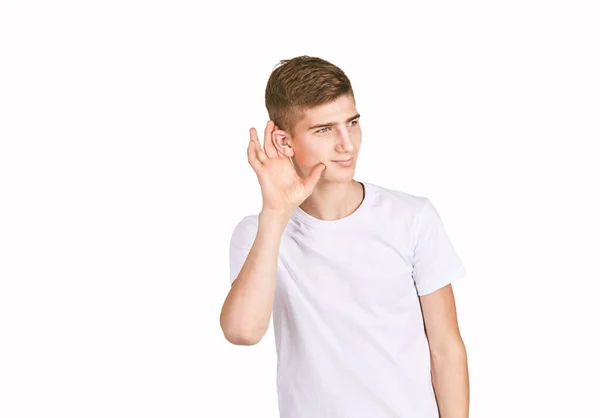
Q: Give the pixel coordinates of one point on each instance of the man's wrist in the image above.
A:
(274, 218)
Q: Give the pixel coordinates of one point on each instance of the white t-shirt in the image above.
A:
(348, 326)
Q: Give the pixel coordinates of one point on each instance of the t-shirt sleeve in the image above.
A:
(435, 262)
(241, 242)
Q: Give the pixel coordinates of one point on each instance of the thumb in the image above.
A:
(313, 178)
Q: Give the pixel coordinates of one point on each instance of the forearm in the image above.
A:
(450, 377)
(247, 309)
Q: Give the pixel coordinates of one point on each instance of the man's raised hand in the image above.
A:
(282, 188)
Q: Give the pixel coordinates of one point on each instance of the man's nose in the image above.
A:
(344, 141)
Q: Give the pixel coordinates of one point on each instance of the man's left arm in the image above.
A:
(449, 370)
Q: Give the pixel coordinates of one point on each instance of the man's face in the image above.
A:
(323, 135)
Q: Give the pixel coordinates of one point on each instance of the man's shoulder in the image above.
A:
(245, 229)
(400, 199)
(248, 220)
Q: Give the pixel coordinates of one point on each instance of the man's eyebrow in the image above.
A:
(333, 123)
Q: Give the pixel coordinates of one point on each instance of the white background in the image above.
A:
(123, 172)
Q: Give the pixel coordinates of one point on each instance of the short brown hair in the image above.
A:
(302, 83)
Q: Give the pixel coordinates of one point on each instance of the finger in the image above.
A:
(268, 139)
(313, 178)
(258, 150)
(252, 159)
(253, 135)
(279, 153)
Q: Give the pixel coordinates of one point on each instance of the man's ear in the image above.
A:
(282, 142)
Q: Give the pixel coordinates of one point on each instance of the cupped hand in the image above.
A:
(282, 188)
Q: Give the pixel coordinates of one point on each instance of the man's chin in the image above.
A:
(338, 176)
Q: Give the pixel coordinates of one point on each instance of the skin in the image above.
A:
(449, 369)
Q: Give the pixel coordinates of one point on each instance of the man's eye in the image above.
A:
(320, 130)
(354, 122)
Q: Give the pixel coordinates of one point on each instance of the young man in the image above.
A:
(357, 276)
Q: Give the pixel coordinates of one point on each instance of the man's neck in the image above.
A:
(333, 201)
